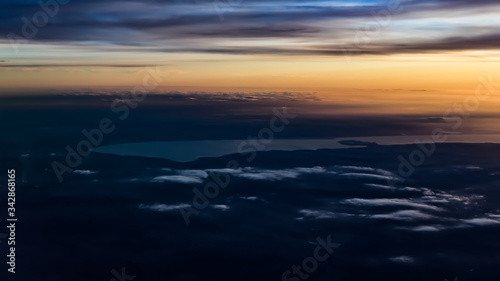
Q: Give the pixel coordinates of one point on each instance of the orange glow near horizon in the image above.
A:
(263, 72)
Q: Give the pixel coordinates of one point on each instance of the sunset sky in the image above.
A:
(251, 140)
(204, 45)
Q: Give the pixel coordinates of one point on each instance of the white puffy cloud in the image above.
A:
(221, 207)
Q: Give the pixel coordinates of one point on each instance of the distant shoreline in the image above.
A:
(187, 151)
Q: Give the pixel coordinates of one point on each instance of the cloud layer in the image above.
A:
(324, 28)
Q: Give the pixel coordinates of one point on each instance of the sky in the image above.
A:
(328, 47)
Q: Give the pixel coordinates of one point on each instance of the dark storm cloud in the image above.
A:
(484, 42)
(489, 41)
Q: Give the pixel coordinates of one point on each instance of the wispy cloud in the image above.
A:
(270, 175)
(284, 26)
(318, 214)
(405, 215)
(163, 207)
(390, 202)
(402, 259)
(178, 179)
(221, 207)
(367, 176)
(85, 172)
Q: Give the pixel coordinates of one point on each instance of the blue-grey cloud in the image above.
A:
(178, 179)
(163, 207)
(329, 28)
(382, 202)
